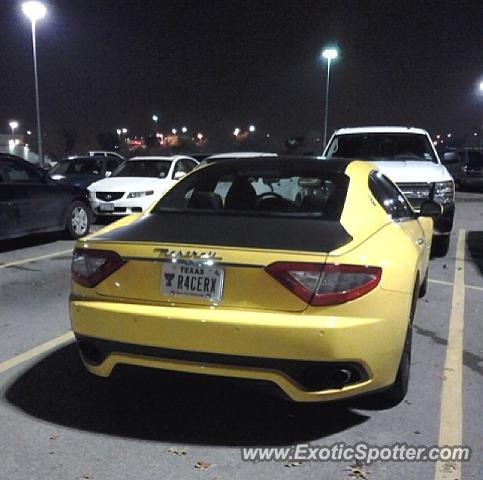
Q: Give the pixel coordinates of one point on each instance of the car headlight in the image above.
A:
(140, 194)
(444, 192)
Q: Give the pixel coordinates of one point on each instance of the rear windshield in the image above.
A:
(382, 146)
(289, 192)
(78, 166)
(143, 168)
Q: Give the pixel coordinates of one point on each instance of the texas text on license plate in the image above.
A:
(192, 280)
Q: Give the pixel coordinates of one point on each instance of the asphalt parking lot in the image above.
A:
(59, 422)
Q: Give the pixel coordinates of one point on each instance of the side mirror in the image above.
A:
(430, 208)
(179, 174)
(108, 174)
(450, 157)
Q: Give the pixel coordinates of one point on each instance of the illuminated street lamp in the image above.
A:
(251, 128)
(124, 131)
(184, 129)
(236, 132)
(329, 54)
(119, 131)
(36, 11)
(199, 136)
(174, 131)
(13, 125)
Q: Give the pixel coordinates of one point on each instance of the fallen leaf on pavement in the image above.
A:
(358, 471)
(202, 464)
(177, 451)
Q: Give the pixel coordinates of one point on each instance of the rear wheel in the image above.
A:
(398, 391)
(440, 245)
(78, 220)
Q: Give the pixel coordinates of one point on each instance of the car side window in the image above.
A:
(390, 198)
(183, 165)
(111, 165)
(17, 172)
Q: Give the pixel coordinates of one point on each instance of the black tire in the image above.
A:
(78, 220)
(440, 245)
(396, 393)
(424, 287)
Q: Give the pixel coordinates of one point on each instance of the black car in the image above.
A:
(466, 166)
(31, 202)
(82, 171)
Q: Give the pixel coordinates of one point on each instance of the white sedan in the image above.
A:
(137, 183)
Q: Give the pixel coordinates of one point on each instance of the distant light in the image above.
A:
(268, 135)
(251, 128)
(475, 134)
(13, 124)
(11, 143)
(236, 132)
(449, 135)
(481, 87)
(199, 136)
(124, 131)
(34, 10)
(174, 131)
(155, 118)
(438, 136)
(29, 132)
(330, 53)
(119, 131)
(435, 142)
(184, 129)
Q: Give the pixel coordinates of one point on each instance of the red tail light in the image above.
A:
(90, 267)
(325, 284)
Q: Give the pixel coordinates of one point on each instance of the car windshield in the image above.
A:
(475, 159)
(236, 188)
(143, 168)
(382, 146)
(78, 166)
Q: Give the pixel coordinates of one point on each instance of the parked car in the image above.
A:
(314, 297)
(105, 153)
(466, 166)
(31, 202)
(82, 171)
(225, 156)
(137, 183)
(408, 157)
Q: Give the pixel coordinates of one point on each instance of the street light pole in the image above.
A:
(329, 54)
(36, 11)
(13, 125)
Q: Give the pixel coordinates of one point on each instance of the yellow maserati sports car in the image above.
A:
(295, 271)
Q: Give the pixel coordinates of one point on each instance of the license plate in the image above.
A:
(192, 279)
(106, 207)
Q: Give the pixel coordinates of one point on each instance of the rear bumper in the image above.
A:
(299, 353)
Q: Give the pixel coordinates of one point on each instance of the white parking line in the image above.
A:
(451, 419)
(34, 259)
(450, 284)
(36, 351)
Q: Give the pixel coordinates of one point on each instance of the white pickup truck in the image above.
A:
(407, 156)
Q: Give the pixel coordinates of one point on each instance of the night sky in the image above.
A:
(213, 64)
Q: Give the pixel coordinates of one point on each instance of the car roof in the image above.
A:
(241, 155)
(380, 129)
(171, 158)
(289, 162)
